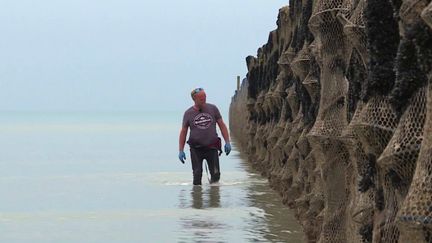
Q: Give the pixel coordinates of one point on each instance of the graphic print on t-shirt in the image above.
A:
(203, 120)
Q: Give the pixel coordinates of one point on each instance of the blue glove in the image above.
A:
(227, 148)
(182, 156)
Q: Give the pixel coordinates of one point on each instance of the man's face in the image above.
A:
(200, 98)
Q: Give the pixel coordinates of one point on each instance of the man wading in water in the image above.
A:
(203, 141)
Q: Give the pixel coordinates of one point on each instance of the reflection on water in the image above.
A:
(200, 199)
(114, 184)
(195, 227)
(233, 211)
(280, 223)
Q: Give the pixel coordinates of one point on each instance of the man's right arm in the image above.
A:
(182, 137)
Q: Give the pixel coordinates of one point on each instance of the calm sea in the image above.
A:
(115, 177)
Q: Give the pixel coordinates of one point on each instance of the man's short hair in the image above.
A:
(196, 91)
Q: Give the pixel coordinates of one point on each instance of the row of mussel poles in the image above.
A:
(336, 110)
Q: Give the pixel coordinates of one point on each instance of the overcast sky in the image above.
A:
(126, 55)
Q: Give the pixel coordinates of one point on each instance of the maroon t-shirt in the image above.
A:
(202, 125)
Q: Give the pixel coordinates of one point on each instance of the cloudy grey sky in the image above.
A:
(123, 55)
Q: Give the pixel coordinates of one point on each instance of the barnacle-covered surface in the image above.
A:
(336, 110)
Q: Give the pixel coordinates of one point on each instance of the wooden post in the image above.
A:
(238, 83)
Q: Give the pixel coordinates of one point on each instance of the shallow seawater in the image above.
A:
(115, 177)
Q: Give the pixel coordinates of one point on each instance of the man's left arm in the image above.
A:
(225, 135)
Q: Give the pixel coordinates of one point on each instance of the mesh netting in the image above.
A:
(328, 32)
(300, 64)
(303, 144)
(294, 133)
(284, 61)
(268, 106)
(399, 157)
(415, 216)
(411, 10)
(342, 126)
(292, 99)
(280, 145)
(281, 138)
(331, 118)
(427, 15)
(279, 92)
(360, 207)
(251, 128)
(354, 29)
(375, 125)
(311, 82)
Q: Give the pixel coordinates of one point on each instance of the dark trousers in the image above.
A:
(212, 158)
